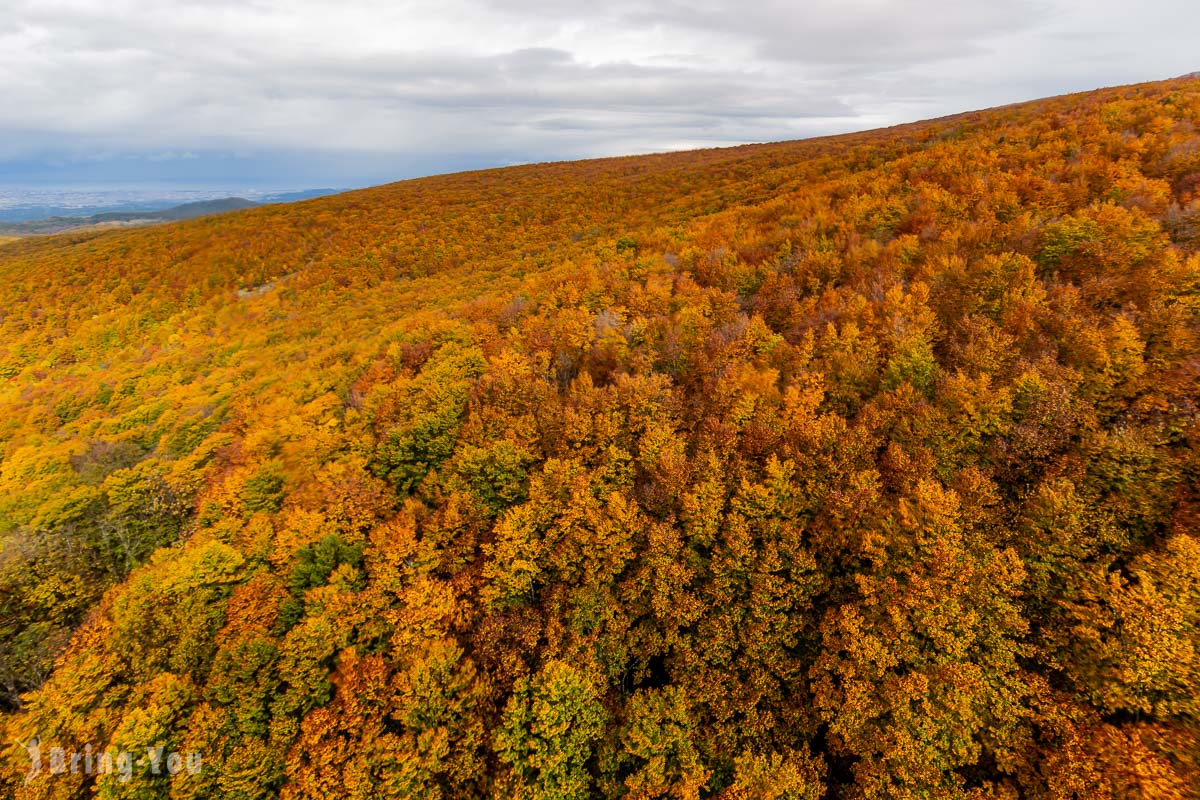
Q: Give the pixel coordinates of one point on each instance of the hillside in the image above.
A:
(856, 467)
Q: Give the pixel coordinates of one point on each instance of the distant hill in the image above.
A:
(856, 468)
(28, 222)
(59, 224)
(293, 197)
(185, 211)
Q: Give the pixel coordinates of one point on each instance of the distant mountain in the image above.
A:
(52, 217)
(58, 224)
(294, 197)
(186, 211)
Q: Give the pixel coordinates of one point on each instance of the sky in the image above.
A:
(306, 93)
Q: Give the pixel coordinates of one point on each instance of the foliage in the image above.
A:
(858, 467)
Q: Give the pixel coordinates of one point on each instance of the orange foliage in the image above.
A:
(858, 467)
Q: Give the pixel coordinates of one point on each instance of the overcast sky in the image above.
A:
(301, 93)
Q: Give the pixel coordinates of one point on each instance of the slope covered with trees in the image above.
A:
(860, 467)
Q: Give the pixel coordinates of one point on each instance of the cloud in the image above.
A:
(858, 36)
(428, 85)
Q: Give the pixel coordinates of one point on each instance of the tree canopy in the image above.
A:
(859, 467)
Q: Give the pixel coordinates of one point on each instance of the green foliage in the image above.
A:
(549, 733)
(1067, 238)
(317, 562)
(431, 410)
(658, 751)
(497, 475)
(263, 491)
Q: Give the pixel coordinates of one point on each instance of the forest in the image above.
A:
(856, 467)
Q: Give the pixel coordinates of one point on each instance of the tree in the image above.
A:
(550, 731)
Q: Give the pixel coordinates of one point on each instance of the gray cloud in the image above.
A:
(858, 35)
(426, 86)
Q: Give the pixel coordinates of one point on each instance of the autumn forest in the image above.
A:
(854, 467)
